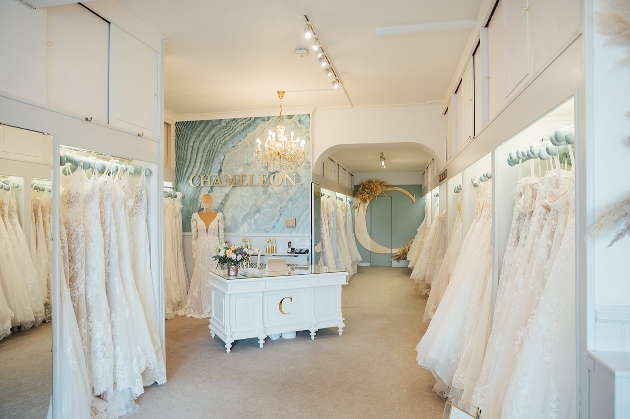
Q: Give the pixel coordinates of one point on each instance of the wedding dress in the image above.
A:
(439, 349)
(98, 314)
(71, 205)
(343, 249)
(205, 241)
(147, 343)
(126, 369)
(352, 241)
(180, 263)
(543, 382)
(442, 279)
(420, 272)
(14, 287)
(328, 254)
(6, 315)
(28, 274)
(418, 241)
(172, 290)
(437, 253)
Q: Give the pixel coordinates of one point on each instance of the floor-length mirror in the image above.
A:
(316, 229)
(25, 304)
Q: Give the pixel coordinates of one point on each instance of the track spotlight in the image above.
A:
(335, 84)
(329, 72)
(323, 61)
(382, 158)
(320, 53)
(308, 32)
(317, 46)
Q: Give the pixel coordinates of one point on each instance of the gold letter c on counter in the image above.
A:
(280, 305)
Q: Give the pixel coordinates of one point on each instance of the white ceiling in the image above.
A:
(225, 56)
(399, 157)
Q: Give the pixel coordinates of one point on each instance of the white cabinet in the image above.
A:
(496, 62)
(552, 24)
(24, 145)
(23, 51)
(466, 107)
(133, 84)
(477, 90)
(245, 308)
(451, 128)
(515, 13)
(608, 384)
(78, 60)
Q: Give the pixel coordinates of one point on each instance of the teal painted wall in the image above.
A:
(392, 221)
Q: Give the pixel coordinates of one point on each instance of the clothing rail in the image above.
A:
(457, 188)
(556, 144)
(476, 181)
(70, 163)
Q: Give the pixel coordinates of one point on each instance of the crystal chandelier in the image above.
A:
(280, 153)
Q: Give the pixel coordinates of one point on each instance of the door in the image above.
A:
(380, 228)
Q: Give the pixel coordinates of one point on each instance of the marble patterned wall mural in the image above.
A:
(217, 157)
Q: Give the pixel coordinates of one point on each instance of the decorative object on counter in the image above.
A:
(289, 248)
(280, 153)
(247, 243)
(232, 256)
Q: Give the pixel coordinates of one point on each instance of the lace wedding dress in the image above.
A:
(343, 249)
(543, 382)
(172, 290)
(440, 349)
(441, 281)
(418, 241)
(205, 241)
(421, 271)
(180, 263)
(352, 241)
(328, 254)
(439, 247)
(98, 314)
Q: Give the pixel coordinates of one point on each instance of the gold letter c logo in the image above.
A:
(280, 305)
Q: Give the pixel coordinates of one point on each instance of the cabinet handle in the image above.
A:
(526, 9)
(470, 99)
(487, 77)
(88, 118)
(141, 134)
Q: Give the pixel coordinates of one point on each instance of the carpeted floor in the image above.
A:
(369, 372)
(26, 373)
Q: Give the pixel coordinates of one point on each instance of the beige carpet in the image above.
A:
(369, 372)
(26, 373)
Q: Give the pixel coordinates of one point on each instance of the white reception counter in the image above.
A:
(258, 304)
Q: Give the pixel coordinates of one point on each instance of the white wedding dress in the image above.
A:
(421, 271)
(418, 241)
(172, 288)
(343, 249)
(205, 241)
(328, 254)
(180, 263)
(442, 279)
(440, 348)
(352, 241)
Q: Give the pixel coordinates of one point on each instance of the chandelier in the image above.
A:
(280, 153)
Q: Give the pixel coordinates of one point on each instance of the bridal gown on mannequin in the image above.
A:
(439, 349)
(205, 241)
(443, 277)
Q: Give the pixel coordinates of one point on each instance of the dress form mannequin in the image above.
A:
(207, 215)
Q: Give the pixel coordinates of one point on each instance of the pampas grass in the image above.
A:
(615, 23)
(614, 213)
(369, 190)
(403, 251)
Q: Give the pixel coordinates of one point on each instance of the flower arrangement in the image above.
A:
(369, 190)
(403, 251)
(229, 254)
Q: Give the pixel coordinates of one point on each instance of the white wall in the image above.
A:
(423, 126)
(393, 178)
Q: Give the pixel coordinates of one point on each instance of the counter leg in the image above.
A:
(341, 326)
(313, 331)
(261, 341)
(228, 345)
(212, 334)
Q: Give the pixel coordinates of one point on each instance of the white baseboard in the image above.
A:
(364, 264)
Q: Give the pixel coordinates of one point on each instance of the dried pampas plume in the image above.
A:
(619, 211)
(615, 23)
(403, 251)
(369, 190)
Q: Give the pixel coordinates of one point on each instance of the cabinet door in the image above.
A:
(552, 23)
(465, 107)
(78, 61)
(24, 145)
(133, 89)
(452, 127)
(516, 43)
(496, 63)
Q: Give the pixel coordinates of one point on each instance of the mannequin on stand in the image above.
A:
(206, 227)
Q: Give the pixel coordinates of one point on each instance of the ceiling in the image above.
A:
(399, 157)
(226, 56)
